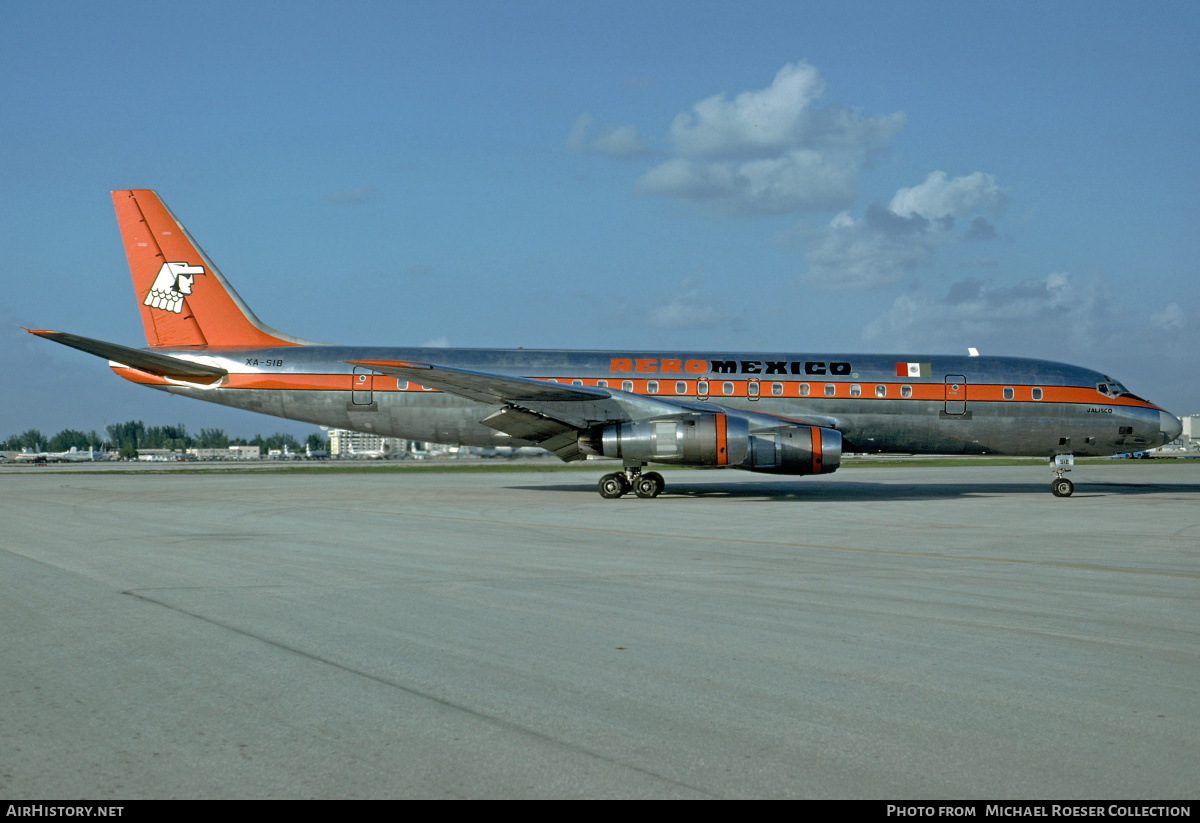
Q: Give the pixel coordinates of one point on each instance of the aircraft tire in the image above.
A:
(646, 486)
(612, 486)
(1062, 487)
(658, 480)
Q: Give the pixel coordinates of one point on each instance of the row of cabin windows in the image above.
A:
(776, 388)
(752, 388)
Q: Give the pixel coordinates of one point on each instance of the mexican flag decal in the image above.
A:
(913, 370)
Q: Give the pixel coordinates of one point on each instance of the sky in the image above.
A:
(909, 178)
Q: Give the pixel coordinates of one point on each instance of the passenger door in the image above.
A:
(956, 394)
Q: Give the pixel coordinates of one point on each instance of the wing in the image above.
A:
(553, 415)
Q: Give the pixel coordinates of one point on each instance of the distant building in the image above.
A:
(231, 453)
(346, 443)
(160, 455)
(1191, 430)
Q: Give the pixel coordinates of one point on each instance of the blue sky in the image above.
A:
(857, 176)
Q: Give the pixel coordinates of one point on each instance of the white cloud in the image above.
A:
(1046, 316)
(879, 249)
(769, 151)
(575, 137)
(873, 252)
(938, 197)
(686, 310)
(620, 142)
(436, 343)
(800, 180)
(761, 122)
(1171, 318)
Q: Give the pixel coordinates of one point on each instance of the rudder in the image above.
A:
(184, 300)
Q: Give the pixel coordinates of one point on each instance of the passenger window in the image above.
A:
(652, 387)
(576, 382)
(881, 390)
(752, 388)
(830, 389)
(855, 390)
(777, 389)
(727, 388)
(402, 385)
(1037, 394)
(1008, 393)
(627, 385)
(803, 390)
(602, 384)
(906, 391)
(681, 387)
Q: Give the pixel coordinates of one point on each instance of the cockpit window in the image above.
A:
(1112, 388)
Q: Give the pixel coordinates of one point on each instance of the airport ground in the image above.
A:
(884, 632)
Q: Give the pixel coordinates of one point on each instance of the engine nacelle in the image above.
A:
(703, 439)
(696, 439)
(794, 450)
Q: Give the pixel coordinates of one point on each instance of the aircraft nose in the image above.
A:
(1170, 426)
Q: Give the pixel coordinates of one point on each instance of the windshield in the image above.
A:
(1111, 388)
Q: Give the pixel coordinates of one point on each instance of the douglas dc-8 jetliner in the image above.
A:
(781, 413)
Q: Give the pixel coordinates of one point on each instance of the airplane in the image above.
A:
(368, 454)
(777, 413)
(72, 455)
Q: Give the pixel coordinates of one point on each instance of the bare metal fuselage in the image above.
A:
(965, 405)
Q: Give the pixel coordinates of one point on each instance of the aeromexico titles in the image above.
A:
(781, 413)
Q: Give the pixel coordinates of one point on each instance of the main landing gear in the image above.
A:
(643, 484)
(1061, 486)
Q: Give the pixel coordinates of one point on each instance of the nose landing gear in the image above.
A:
(1061, 486)
(645, 485)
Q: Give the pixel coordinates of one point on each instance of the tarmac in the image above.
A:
(882, 633)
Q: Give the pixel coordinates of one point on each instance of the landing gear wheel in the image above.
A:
(613, 485)
(646, 486)
(658, 479)
(1062, 487)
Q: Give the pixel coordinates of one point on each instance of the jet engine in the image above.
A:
(714, 439)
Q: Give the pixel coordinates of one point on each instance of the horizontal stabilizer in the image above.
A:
(146, 361)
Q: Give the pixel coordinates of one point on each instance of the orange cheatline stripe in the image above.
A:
(920, 391)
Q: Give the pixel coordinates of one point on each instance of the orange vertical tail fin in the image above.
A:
(184, 299)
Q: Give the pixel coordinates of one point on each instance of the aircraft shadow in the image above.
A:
(801, 490)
